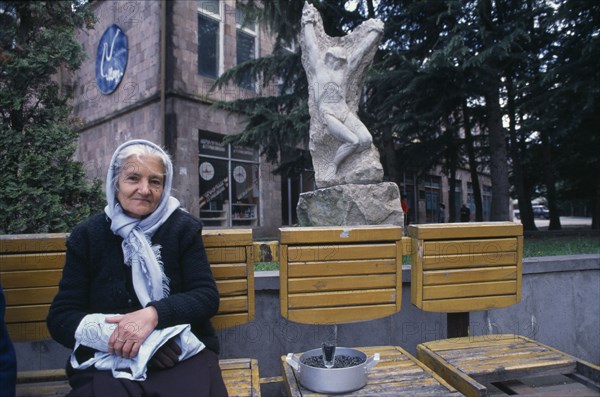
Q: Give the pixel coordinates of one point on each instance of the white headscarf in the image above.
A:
(149, 280)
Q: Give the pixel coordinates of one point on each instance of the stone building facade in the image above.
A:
(164, 96)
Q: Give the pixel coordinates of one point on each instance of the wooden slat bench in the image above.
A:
(471, 364)
(31, 267)
(335, 275)
(463, 267)
(331, 275)
(398, 373)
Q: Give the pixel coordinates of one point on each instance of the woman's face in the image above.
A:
(140, 185)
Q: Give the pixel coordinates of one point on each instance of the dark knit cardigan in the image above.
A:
(96, 280)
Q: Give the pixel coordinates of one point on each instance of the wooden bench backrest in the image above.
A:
(229, 252)
(462, 267)
(331, 275)
(31, 268)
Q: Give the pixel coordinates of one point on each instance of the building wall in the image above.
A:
(134, 109)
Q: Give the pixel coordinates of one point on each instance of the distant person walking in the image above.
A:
(465, 213)
(405, 209)
(442, 213)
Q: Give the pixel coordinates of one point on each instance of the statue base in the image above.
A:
(343, 205)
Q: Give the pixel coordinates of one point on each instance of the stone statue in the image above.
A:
(348, 172)
(336, 68)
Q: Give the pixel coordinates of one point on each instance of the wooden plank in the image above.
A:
(43, 375)
(476, 275)
(399, 252)
(490, 247)
(469, 261)
(323, 284)
(470, 290)
(250, 279)
(43, 389)
(476, 230)
(460, 381)
(341, 234)
(233, 304)
(218, 255)
(36, 261)
(25, 332)
(283, 281)
(469, 304)
(221, 321)
(232, 287)
(407, 246)
(33, 278)
(314, 253)
(25, 314)
(42, 242)
(343, 298)
(334, 268)
(337, 315)
(416, 274)
(29, 296)
(241, 377)
(226, 237)
(230, 270)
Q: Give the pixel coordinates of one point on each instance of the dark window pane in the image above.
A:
(245, 52)
(208, 46)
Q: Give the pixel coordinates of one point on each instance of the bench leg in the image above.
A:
(457, 325)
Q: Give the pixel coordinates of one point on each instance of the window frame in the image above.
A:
(219, 18)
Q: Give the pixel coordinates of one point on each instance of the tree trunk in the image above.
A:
(472, 162)
(451, 163)
(596, 208)
(498, 157)
(525, 210)
(549, 178)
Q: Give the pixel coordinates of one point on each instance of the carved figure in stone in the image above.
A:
(335, 68)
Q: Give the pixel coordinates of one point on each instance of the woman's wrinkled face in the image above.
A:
(141, 184)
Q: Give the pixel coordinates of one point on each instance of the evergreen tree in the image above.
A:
(43, 189)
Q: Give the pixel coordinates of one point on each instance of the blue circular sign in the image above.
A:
(111, 59)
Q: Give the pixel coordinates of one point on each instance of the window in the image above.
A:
(229, 183)
(209, 38)
(246, 47)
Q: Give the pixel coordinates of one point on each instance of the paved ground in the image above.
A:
(566, 221)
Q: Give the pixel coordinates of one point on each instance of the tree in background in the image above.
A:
(43, 188)
(509, 86)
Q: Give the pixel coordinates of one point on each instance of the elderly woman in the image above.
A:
(137, 293)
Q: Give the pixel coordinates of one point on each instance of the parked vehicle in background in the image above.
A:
(539, 211)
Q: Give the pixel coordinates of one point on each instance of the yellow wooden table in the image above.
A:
(471, 364)
(398, 373)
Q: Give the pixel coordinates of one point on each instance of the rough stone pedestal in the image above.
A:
(352, 204)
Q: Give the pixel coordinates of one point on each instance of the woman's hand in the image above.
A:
(131, 331)
(167, 356)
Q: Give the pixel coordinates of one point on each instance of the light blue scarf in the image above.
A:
(149, 279)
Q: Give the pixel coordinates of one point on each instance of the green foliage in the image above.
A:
(555, 246)
(43, 189)
(445, 64)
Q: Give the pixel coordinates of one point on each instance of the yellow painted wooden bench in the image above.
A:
(513, 364)
(457, 268)
(397, 374)
(331, 275)
(31, 267)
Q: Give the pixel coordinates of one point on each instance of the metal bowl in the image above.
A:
(332, 380)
